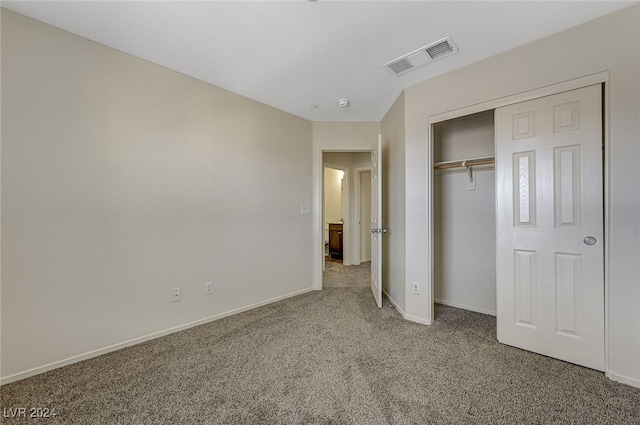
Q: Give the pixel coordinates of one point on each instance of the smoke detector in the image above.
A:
(343, 103)
(423, 56)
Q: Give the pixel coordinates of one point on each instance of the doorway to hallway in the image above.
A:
(346, 211)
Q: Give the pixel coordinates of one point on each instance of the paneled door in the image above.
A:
(376, 221)
(550, 247)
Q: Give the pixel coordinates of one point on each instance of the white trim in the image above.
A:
(115, 347)
(623, 379)
(404, 315)
(588, 80)
(416, 319)
(386, 295)
(317, 263)
(317, 169)
(431, 291)
(357, 254)
(346, 208)
(606, 186)
(465, 307)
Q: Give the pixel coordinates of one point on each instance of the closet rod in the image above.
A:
(464, 163)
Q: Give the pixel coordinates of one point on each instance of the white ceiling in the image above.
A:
(294, 54)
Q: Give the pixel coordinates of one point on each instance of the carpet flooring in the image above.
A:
(326, 357)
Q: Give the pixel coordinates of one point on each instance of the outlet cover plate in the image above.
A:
(176, 294)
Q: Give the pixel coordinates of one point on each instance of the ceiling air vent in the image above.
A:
(422, 56)
(400, 66)
(441, 49)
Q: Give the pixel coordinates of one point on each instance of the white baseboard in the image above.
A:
(417, 319)
(386, 295)
(466, 307)
(622, 379)
(404, 314)
(95, 353)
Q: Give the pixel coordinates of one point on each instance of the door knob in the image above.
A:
(589, 240)
(374, 230)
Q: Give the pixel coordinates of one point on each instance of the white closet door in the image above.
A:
(550, 247)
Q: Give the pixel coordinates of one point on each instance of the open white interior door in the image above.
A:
(550, 250)
(376, 221)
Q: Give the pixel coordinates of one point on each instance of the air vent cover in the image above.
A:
(400, 66)
(439, 50)
(422, 56)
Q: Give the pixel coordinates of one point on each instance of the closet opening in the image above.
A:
(525, 240)
(464, 213)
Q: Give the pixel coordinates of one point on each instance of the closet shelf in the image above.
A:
(465, 163)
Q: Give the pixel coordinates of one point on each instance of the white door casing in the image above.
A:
(364, 214)
(376, 221)
(550, 232)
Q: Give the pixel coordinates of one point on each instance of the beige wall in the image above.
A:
(122, 180)
(332, 195)
(393, 204)
(345, 136)
(555, 59)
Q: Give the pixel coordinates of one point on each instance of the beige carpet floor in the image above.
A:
(327, 357)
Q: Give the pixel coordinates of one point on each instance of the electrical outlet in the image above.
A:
(415, 288)
(208, 288)
(176, 294)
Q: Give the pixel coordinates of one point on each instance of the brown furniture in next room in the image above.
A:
(335, 240)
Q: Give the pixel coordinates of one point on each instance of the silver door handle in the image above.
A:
(589, 240)
(374, 230)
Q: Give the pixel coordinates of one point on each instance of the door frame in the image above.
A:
(588, 80)
(357, 231)
(317, 254)
(346, 208)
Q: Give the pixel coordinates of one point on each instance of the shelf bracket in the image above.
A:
(469, 171)
(471, 185)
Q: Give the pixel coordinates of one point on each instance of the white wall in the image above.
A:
(122, 180)
(562, 57)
